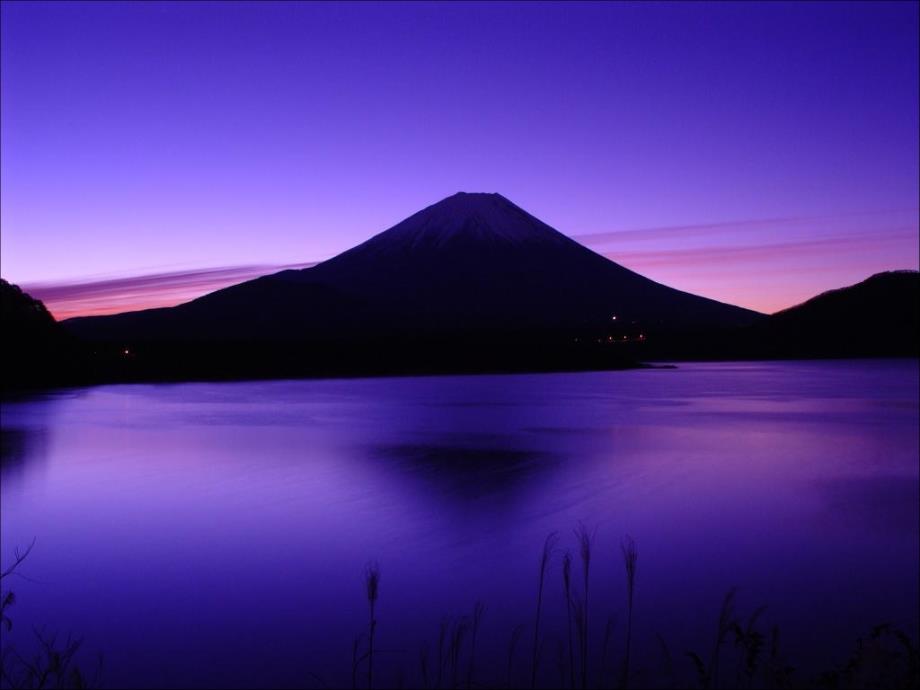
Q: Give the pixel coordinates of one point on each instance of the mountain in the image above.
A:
(35, 350)
(470, 282)
(878, 317)
(470, 263)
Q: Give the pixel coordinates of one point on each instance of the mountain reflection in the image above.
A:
(20, 447)
(463, 472)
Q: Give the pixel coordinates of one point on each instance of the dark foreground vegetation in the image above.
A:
(743, 652)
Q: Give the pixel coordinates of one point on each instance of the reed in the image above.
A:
(512, 645)
(759, 663)
(751, 642)
(548, 545)
(423, 664)
(667, 659)
(726, 623)
(579, 614)
(478, 610)
(608, 634)
(567, 587)
(585, 540)
(630, 557)
(442, 636)
(355, 660)
(372, 583)
(456, 644)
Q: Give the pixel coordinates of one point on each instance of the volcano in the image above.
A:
(473, 268)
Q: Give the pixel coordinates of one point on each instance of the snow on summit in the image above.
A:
(469, 217)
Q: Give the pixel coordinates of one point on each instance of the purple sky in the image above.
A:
(757, 154)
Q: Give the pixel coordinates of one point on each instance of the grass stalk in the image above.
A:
(585, 540)
(608, 633)
(548, 547)
(478, 610)
(726, 621)
(512, 645)
(567, 586)
(372, 582)
(630, 557)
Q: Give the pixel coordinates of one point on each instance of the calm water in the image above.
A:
(216, 534)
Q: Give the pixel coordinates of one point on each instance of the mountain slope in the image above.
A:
(878, 317)
(471, 265)
(35, 349)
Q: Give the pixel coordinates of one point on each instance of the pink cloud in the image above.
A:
(130, 293)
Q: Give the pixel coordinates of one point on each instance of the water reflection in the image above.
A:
(464, 472)
(18, 447)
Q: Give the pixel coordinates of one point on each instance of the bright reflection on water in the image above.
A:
(216, 534)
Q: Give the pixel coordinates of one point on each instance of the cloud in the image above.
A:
(129, 293)
(776, 253)
(736, 228)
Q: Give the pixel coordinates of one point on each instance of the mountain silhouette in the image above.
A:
(471, 266)
(879, 316)
(35, 349)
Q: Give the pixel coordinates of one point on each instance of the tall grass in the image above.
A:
(630, 557)
(456, 644)
(548, 547)
(726, 622)
(423, 665)
(478, 610)
(442, 636)
(608, 633)
(567, 588)
(512, 645)
(889, 659)
(585, 540)
(372, 583)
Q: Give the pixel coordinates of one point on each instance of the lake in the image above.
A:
(216, 534)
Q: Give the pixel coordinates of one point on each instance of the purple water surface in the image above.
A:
(215, 534)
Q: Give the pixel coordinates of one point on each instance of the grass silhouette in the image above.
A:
(887, 658)
(630, 557)
(548, 545)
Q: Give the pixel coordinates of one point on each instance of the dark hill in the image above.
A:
(878, 317)
(36, 351)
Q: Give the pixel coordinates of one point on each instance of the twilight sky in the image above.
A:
(756, 154)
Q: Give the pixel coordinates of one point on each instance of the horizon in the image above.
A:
(212, 152)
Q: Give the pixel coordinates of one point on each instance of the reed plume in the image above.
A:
(585, 540)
